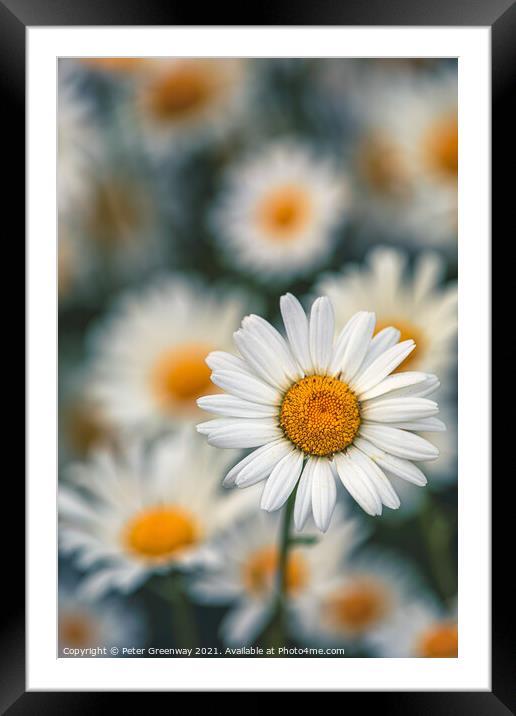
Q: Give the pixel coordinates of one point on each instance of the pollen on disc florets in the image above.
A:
(320, 415)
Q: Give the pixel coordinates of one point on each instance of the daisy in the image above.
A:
(126, 517)
(184, 102)
(405, 159)
(423, 629)
(79, 146)
(369, 594)
(417, 304)
(279, 210)
(86, 624)
(115, 66)
(245, 573)
(149, 355)
(318, 407)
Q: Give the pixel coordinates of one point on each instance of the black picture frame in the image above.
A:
(500, 15)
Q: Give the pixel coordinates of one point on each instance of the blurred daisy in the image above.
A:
(406, 157)
(129, 516)
(116, 66)
(371, 591)
(185, 102)
(423, 629)
(418, 306)
(84, 624)
(278, 211)
(316, 408)
(245, 575)
(149, 365)
(79, 146)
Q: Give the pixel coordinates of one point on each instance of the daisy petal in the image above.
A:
(382, 366)
(418, 390)
(394, 382)
(231, 476)
(220, 360)
(359, 488)
(235, 407)
(246, 387)
(404, 469)
(321, 332)
(385, 489)
(400, 443)
(282, 481)
(383, 340)
(357, 346)
(324, 493)
(268, 336)
(395, 410)
(242, 433)
(261, 466)
(424, 425)
(303, 504)
(342, 342)
(262, 358)
(296, 326)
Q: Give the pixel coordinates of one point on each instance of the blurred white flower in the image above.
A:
(423, 629)
(246, 572)
(149, 355)
(316, 407)
(278, 211)
(417, 304)
(368, 594)
(129, 515)
(84, 624)
(182, 103)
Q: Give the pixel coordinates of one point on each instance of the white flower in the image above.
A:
(317, 407)
(278, 211)
(405, 158)
(182, 103)
(129, 515)
(85, 624)
(422, 629)
(149, 365)
(368, 595)
(418, 306)
(246, 568)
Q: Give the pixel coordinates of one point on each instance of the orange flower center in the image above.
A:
(381, 165)
(184, 90)
(407, 330)
(284, 211)
(358, 607)
(76, 630)
(159, 533)
(115, 64)
(260, 572)
(440, 641)
(440, 146)
(181, 375)
(320, 415)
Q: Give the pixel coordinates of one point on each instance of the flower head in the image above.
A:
(317, 407)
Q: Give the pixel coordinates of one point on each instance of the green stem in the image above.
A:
(283, 550)
(436, 532)
(183, 623)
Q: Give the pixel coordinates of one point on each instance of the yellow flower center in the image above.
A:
(440, 641)
(381, 165)
(160, 532)
(320, 415)
(407, 330)
(181, 375)
(284, 211)
(76, 630)
(260, 572)
(184, 90)
(358, 607)
(440, 146)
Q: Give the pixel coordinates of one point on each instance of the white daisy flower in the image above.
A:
(149, 365)
(85, 624)
(79, 146)
(317, 407)
(245, 574)
(405, 159)
(184, 102)
(368, 594)
(422, 629)
(131, 515)
(418, 306)
(277, 214)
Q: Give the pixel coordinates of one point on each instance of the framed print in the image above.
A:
(258, 365)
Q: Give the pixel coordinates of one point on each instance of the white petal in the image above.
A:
(425, 425)
(321, 331)
(395, 410)
(296, 325)
(242, 433)
(270, 337)
(262, 358)
(231, 476)
(418, 390)
(324, 493)
(342, 342)
(357, 346)
(303, 504)
(382, 366)
(358, 487)
(282, 481)
(261, 467)
(394, 382)
(244, 623)
(399, 442)
(386, 491)
(246, 387)
(235, 407)
(383, 340)
(395, 465)
(220, 360)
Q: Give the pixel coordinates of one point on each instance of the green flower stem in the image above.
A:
(183, 622)
(437, 534)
